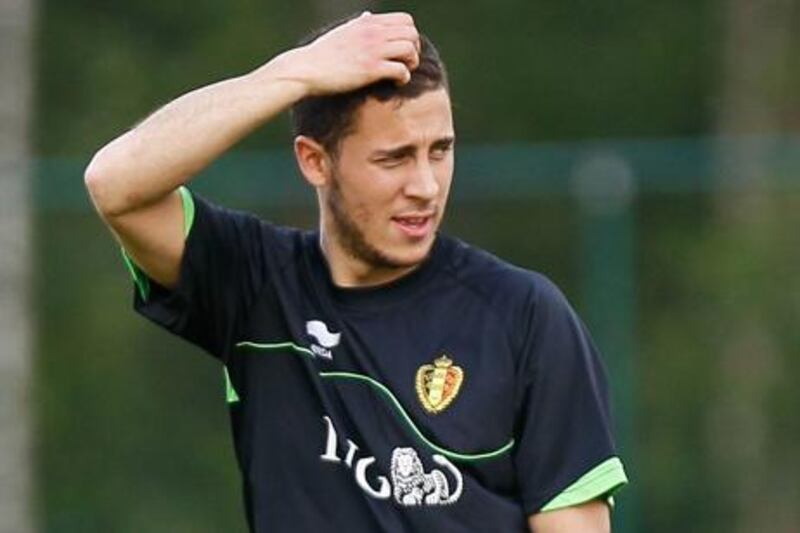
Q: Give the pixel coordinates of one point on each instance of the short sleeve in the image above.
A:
(223, 268)
(565, 452)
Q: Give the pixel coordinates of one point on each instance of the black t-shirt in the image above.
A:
(464, 396)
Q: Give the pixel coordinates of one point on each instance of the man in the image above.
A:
(381, 377)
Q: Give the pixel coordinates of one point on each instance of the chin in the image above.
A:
(408, 256)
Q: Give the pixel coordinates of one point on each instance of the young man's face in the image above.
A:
(391, 180)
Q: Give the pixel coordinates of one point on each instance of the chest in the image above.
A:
(444, 361)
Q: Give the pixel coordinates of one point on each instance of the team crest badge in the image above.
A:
(438, 384)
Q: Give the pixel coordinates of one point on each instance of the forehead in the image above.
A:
(419, 120)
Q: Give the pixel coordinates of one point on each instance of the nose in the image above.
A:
(422, 183)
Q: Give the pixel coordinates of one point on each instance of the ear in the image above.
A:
(313, 160)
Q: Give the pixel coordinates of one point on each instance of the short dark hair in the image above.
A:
(329, 118)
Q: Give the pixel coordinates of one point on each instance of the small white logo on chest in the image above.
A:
(325, 340)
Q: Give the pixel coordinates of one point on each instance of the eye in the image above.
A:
(391, 161)
(441, 151)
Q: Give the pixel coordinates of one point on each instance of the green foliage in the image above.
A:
(520, 70)
(106, 65)
(133, 430)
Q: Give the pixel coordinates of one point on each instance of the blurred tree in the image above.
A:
(16, 21)
(521, 71)
(756, 99)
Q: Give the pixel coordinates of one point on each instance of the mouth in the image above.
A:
(415, 226)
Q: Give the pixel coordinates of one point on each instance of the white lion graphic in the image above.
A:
(412, 486)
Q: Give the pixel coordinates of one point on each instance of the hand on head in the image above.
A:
(361, 51)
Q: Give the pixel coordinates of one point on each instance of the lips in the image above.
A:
(414, 225)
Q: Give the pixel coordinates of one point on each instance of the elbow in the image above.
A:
(93, 177)
(103, 188)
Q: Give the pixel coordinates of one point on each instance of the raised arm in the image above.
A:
(133, 180)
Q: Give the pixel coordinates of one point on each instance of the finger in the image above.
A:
(406, 29)
(398, 18)
(400, 33)
(394, 70)
(405, 51)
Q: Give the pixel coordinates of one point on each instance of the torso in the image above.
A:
(392, 408)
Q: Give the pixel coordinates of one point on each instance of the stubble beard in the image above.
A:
(352, 239)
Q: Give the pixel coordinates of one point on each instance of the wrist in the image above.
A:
(284, 73)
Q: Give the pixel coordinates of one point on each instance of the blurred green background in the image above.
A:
(644, 155)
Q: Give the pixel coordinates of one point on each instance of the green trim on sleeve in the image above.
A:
(230, 391)
(601, 481)
(188, 210)
(141, 280)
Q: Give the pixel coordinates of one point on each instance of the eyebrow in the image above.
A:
(410, 149)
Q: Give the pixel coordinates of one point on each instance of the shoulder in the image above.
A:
(244, 231)
(526, 302)
(496, 280)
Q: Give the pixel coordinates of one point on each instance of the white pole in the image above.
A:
(755, 98)
(16, 73)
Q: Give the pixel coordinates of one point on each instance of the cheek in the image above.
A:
(361, 214)
(375, 200)
(445, 178)
(368, 195)
(444, 181)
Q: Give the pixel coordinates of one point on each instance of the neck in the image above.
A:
(350, 271)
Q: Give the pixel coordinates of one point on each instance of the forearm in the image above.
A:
(176, 142)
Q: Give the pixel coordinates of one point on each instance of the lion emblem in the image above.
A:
(413, 486)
